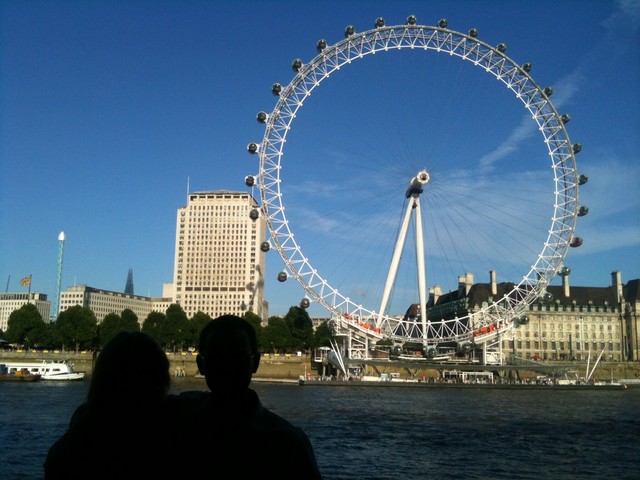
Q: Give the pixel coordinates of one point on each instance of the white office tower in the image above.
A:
(219, 266)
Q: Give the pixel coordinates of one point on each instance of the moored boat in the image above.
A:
(22, 375)
(46, 370)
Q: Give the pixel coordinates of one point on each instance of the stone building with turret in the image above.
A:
(570, 322)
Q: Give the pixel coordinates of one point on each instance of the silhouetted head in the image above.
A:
(131, 373)
(228, 355)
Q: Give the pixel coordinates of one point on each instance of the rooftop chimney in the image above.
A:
(492, 279)
(565, 286)
(464, 283)
(616, 281)
(435, 293)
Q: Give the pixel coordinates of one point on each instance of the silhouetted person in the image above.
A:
(231, 433)
(118, 432)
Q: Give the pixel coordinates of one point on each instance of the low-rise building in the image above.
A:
(9, 302)
(104, 302)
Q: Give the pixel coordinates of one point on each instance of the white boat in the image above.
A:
(47, 370)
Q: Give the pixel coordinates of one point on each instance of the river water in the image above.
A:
(399, 433)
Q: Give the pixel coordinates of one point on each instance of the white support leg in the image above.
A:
(395, 261)
(413, 194)
(422, 278)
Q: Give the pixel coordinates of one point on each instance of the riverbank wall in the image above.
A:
(276, 366)
(181, 363)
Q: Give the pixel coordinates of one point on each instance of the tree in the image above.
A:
(323, 335)
(25, 326)
(77, 326)
(301, 328)
(179, 328)
(256, 321)
(276, 336)
(155, 325)
(114, 323)
(198, 321)
(130, 321)
(108, 329)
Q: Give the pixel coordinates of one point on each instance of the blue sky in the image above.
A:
(109, 109)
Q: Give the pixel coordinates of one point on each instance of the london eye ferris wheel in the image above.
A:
(473, 185)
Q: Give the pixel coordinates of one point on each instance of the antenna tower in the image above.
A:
(56, 300)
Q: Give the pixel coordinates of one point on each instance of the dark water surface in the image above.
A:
(399, 433)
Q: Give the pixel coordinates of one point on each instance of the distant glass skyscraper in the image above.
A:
(219, 266)
(128, 288)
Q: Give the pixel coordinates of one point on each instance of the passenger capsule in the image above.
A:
(252, 147)
(296, 65)
(564, 271)
(565, 118)
(582, 179)
(304, 303)
(321, 45)
(548, 91)
(249, 181)
(254, 214)
(583, 210)
(473, 33)
(276, 88)
(443, 23)
(265, 246)
(523, 320)
(379, 22)
(431, 352)
(411, 20)
(576, 147)
(465, 347)
(547, 297)
(527, 67)
(282, 276)
(349, 30)
(502, 47)
(576, 242)
(261, 117)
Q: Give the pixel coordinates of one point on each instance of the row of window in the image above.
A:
(206, 208)
(573, 308)
(561, 335)
(611, 326)
(564, 346)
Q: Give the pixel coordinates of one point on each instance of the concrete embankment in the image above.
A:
(292, 367)
(271, 366)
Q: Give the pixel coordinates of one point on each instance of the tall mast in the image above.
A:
(56, 300)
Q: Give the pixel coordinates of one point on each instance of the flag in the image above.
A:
(26, 281)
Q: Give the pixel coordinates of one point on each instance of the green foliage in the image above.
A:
(114, 323)
(301, 328)
(25, 326)
(253, 319)
(77, 327)
(130, 321)
(276, 337)
(108, 329)
(323, 335)
(179, 330)
(256, 321)
(155, 325)
(198, 321)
